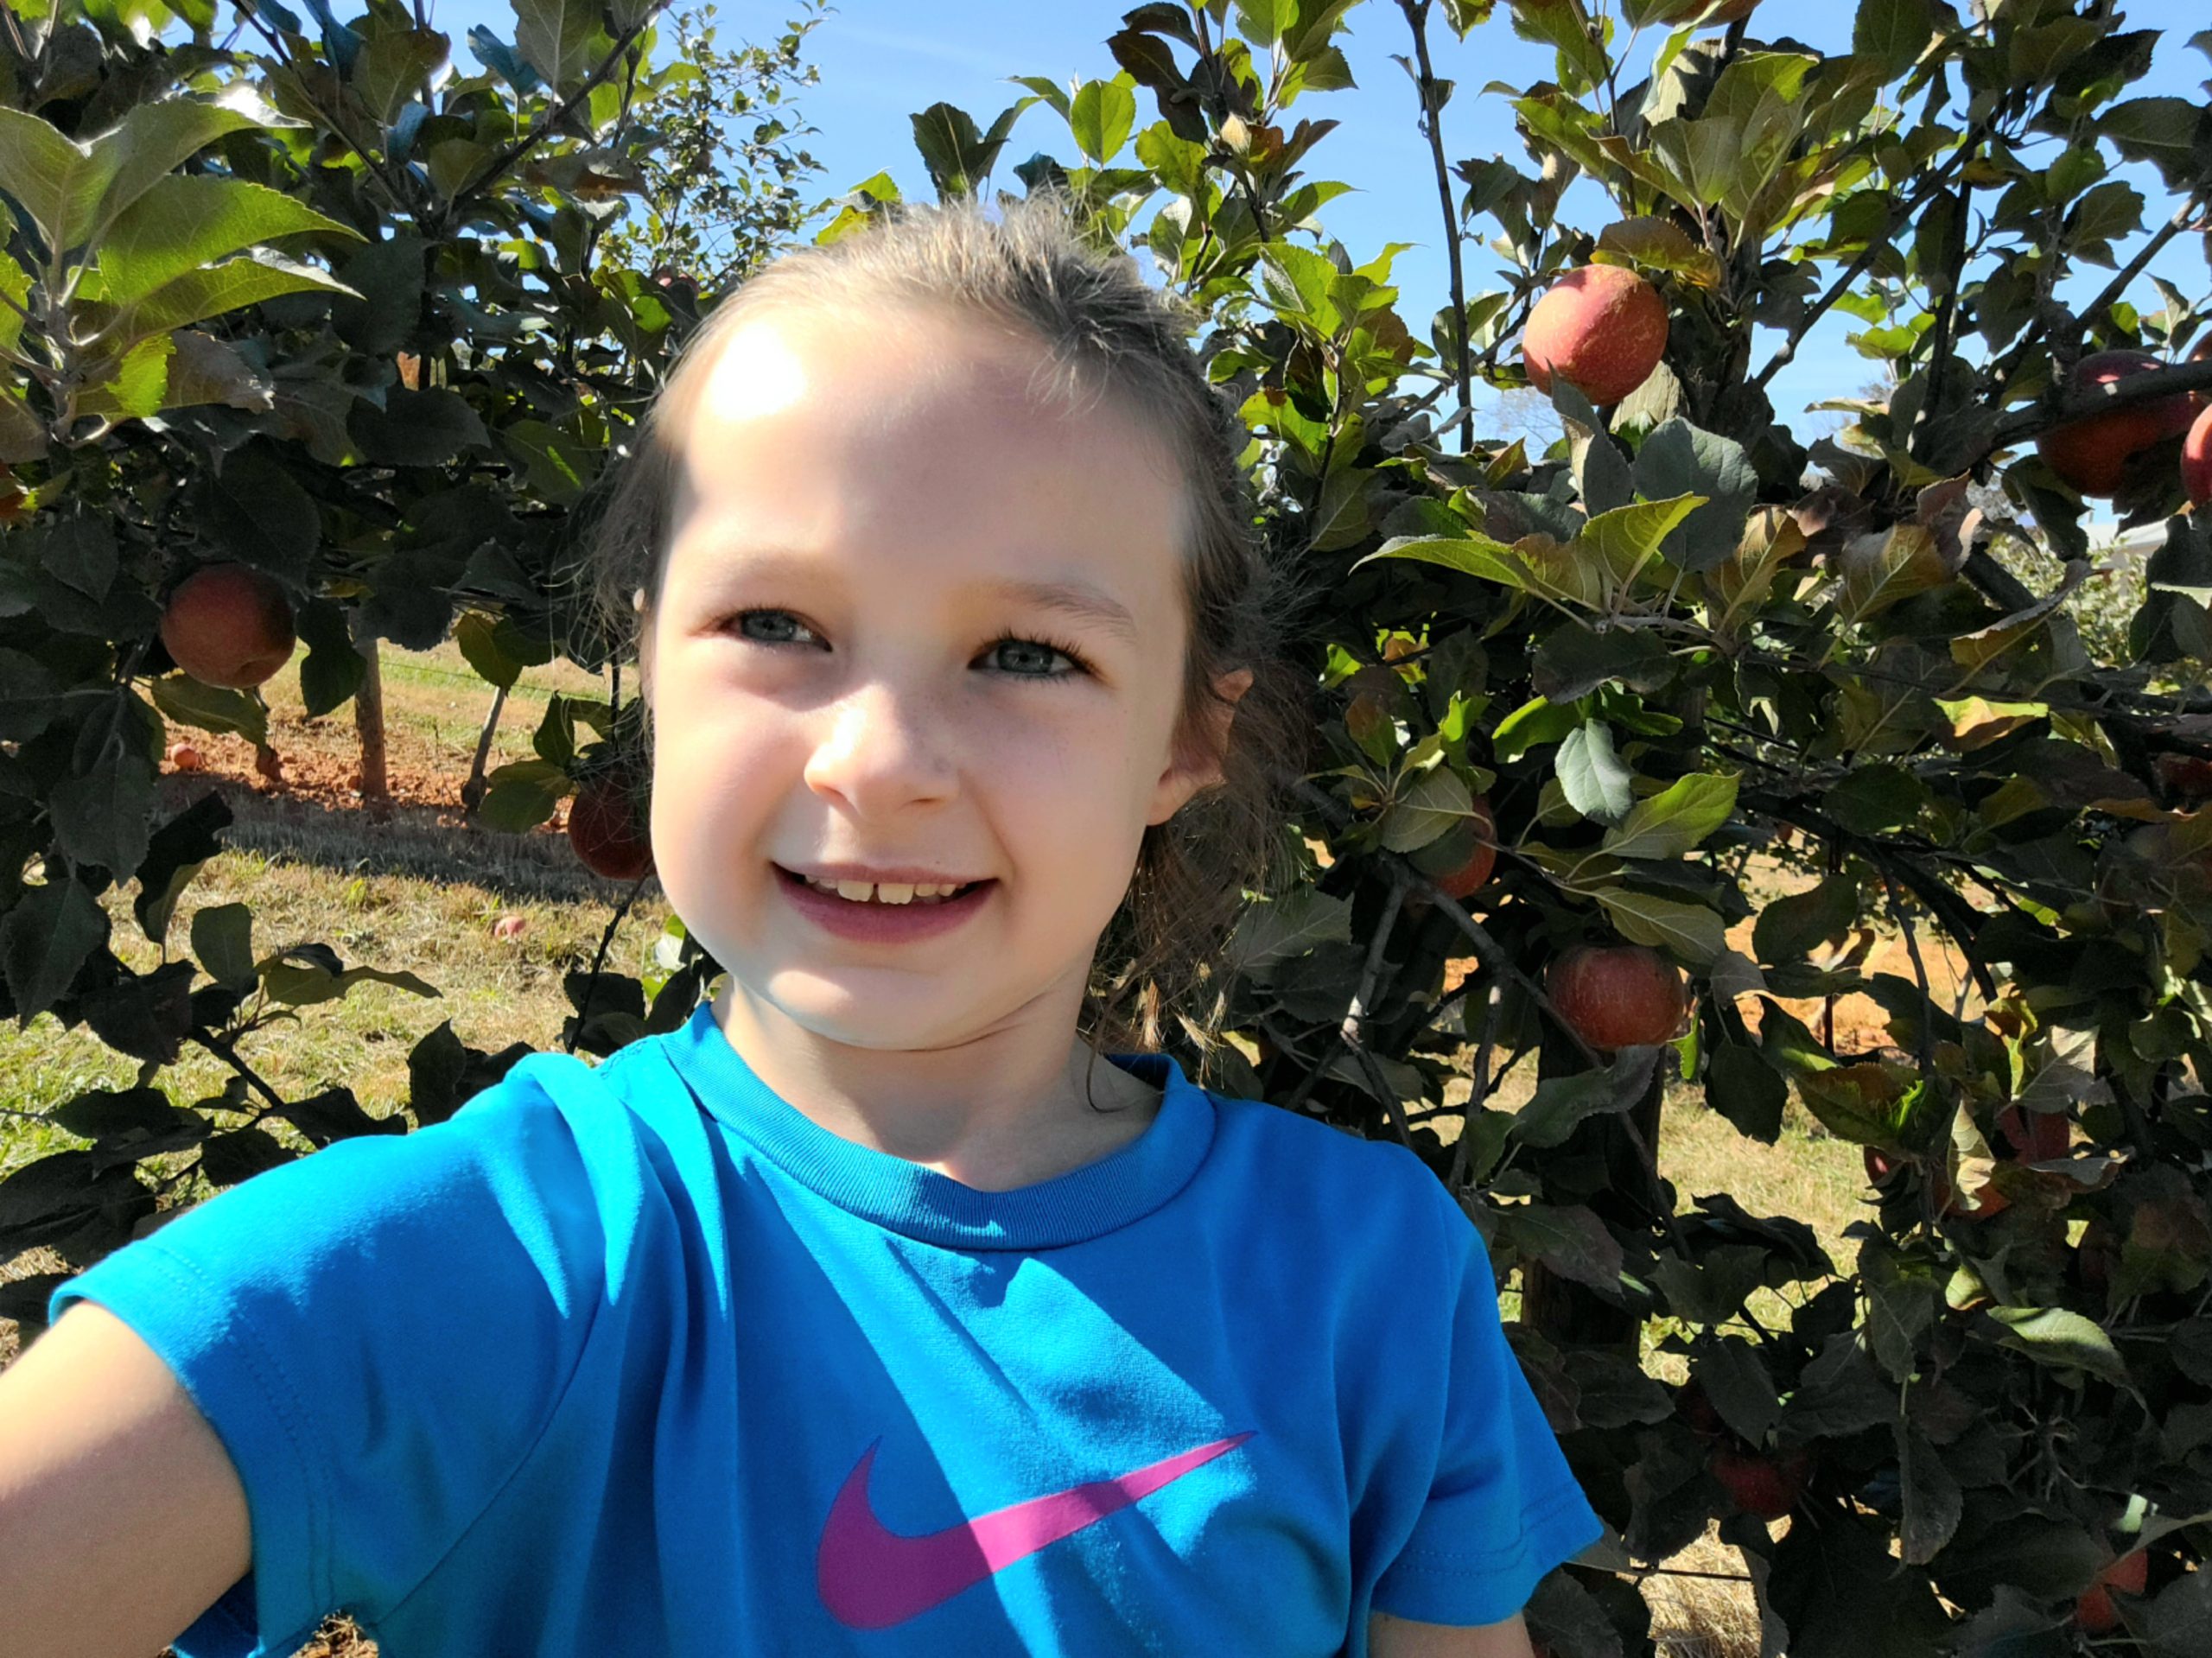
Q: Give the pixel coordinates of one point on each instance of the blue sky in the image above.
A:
(883, 60)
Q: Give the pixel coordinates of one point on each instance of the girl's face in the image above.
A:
(853, 661)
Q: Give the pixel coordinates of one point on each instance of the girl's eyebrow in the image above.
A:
(1067, 596)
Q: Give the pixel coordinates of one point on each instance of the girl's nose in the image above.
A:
(884, 748)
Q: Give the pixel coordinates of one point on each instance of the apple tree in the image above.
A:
(1649, 734)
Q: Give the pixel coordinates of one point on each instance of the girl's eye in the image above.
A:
(1039, 652)
(1042, 651)
(773, 616)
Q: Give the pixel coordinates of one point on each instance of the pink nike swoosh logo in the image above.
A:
(871, 1577)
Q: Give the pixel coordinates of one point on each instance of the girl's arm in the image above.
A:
(122, 1519)
(1400, 1637)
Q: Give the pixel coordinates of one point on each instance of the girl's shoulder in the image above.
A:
(1284, 1144)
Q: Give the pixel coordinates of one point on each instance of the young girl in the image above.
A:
(869, 1312)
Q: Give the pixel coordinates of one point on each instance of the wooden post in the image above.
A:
(472, 788)
(373, 780)
(1564, 1312)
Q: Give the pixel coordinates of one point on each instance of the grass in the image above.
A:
(422, 892)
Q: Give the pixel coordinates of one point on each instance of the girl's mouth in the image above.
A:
(890, 914)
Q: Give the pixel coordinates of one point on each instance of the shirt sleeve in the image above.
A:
(377, 1333)
(1503, 1508)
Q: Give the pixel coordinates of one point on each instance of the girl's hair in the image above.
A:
(1103, 331)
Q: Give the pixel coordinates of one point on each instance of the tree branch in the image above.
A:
(504, 161)
(1416, 13)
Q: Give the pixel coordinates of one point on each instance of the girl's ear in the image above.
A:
(1191, 773)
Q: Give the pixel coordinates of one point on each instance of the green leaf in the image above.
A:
(1676, 819)
(1679, 459)
(212, 292)
(1628, 537)
(257, 510)
(333, 669)
(1891, 35)
(204, 369)
(22, 434)
(134, 388)
(1100, 115)
(222, 943)
(45, 938)
(1473, 555)
(1881, 570)
(53, 179)
(2170, 133)
(1296, 282)
(209, 707)
(522, 794)
(152, 141)
(478, 636)
(1735, 1379)
(2060, 1339)
(100, 815)
(1574, 660)
(1263, 22)
(1743, 1088)
(1570, 1240)
(416, 429)
(394, 63)
(1540, 720)
(1690, 930)
(555, 37)
(182, 222)
(16, 284)
(1274, 930)
(1788, 928)
(1437, 800)
(1560, 1102)
(1596, 783)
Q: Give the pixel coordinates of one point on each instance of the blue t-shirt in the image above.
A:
(639, 1358)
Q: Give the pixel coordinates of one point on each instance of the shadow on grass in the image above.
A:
(412, 841)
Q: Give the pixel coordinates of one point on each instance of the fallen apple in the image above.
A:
(184, 757)
(510, 926)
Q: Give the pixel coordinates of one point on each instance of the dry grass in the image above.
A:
(421, 892)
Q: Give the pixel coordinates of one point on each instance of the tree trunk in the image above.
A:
(472, 789)
(373, 780)
(1571, 1314)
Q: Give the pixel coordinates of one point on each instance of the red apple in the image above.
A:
(2197, 458)
(605, 831)
(1601, 327)
(1473, 872)
(228, 624)
(2036, 1136)
(1619, 995)
(2190, 776)
(184, 757)
(2092, 454)
(1764, 1486)
(2092, 1608)
(510, 926)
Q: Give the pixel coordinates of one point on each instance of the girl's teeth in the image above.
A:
(861, 892)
